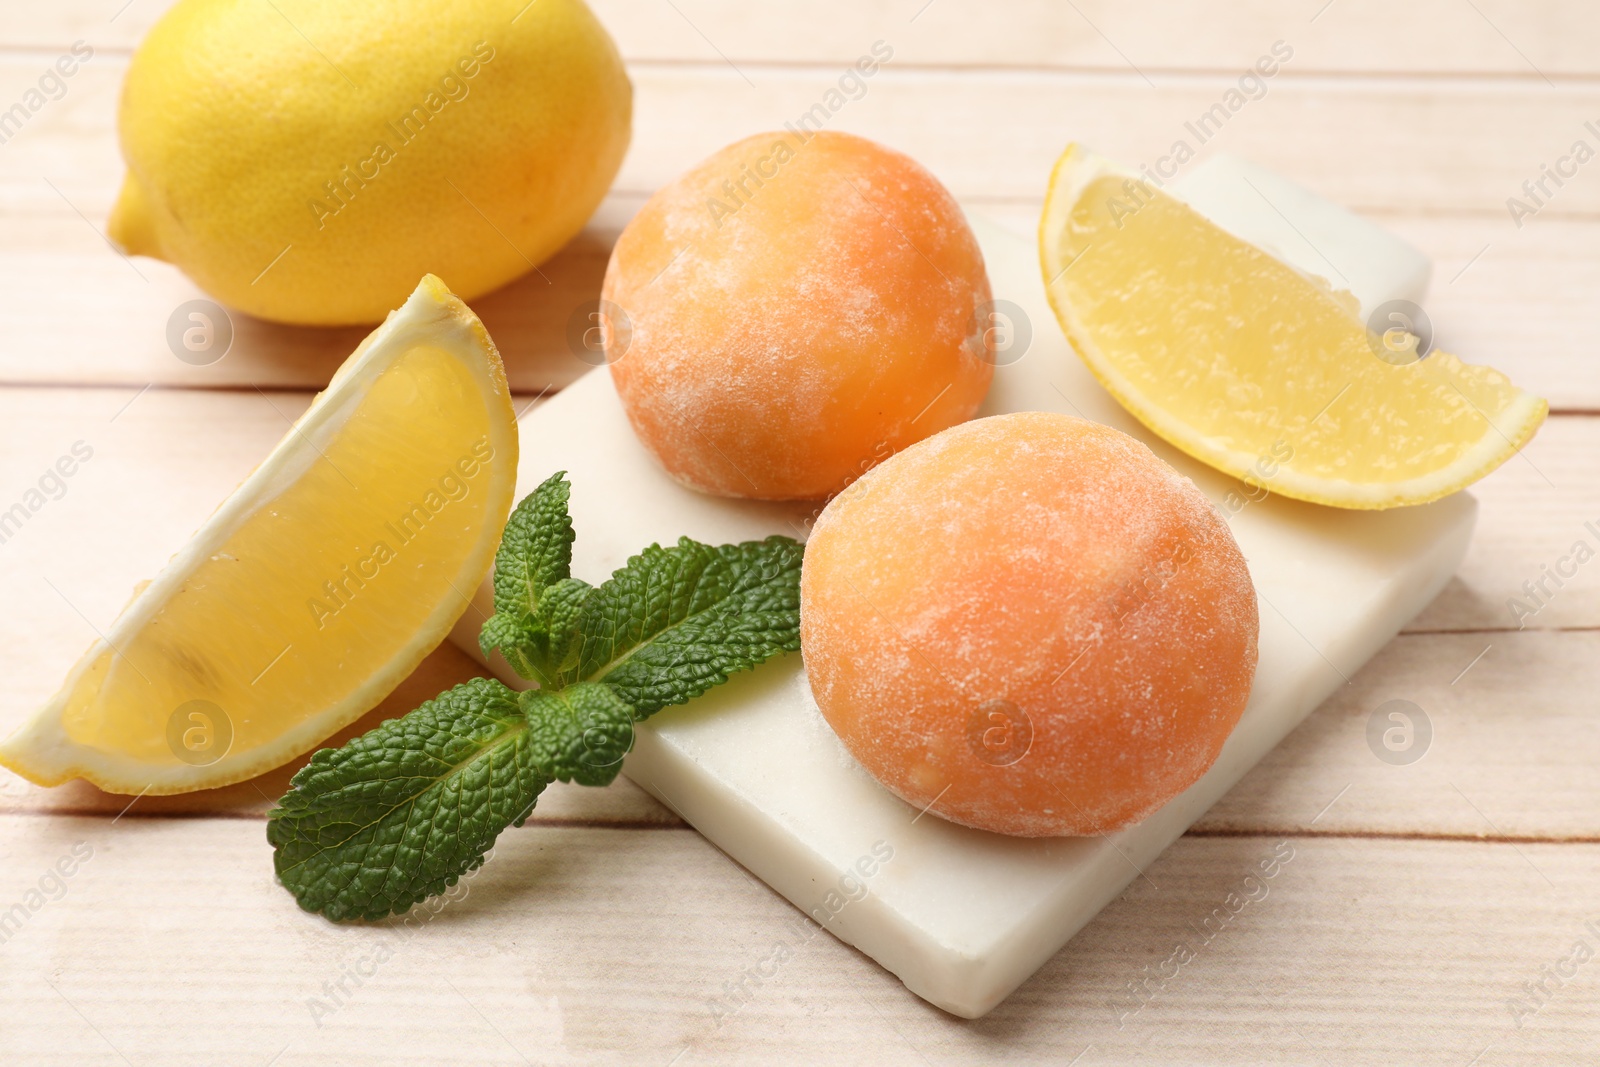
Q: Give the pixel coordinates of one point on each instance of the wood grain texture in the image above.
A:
(1521, 306)
(1505, 295)
(1472, 781)
(1421, 900)
(1511, 754)
(1425, 37)
(1536, 510)
(1407, 144)
(48, 263)
(172, 945)
(620, 804)
(164, 458)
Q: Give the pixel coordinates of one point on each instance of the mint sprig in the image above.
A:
(674, 622)
(400, 813)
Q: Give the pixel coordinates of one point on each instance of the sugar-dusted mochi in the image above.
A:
(789, 312)
(1030, 623)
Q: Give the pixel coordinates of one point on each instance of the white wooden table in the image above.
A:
(1430, 912)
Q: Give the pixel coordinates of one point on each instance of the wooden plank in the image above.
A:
(172, 455)
(1536, 510)
(170, 943)
(1503, 709)
(90, 317)
(1378, 144)
(1500, 37)
(1504, 295)
(1358, 36)
(1507, 752)
(602, 942)
(1373, 144)
(1516, 299)
(1521, 306)
(162, 460)
(620, 804)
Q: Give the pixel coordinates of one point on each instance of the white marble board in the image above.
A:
(961, 916)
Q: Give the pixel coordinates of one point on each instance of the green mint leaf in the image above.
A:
(502, 632)
(674, 622)
(545, 645)
(553, 634)
(533, 563)
(580, 733)
(400, 813)
(535, 550)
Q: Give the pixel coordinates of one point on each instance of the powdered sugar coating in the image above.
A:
(1049, 563)
(799, 310)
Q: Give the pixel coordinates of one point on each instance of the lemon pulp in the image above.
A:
(1232, 355)
(270, 609)
(316, 587)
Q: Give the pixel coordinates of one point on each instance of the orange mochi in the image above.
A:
(1030, 623)
(793, 310)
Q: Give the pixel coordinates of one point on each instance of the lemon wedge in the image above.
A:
(1254, 368)
(316, 587)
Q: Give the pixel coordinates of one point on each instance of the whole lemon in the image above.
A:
(308, 160)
